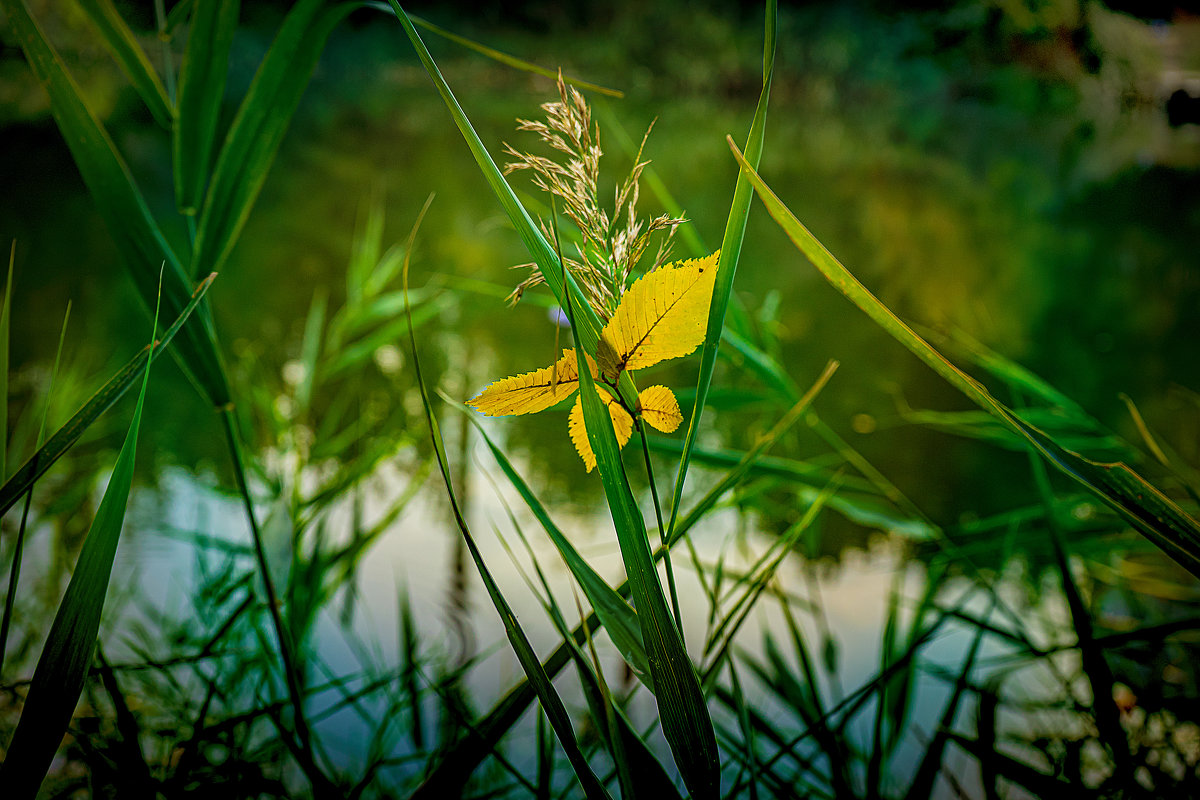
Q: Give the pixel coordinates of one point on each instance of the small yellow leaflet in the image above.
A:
(658, 406)
(531, 392)
(621, 421)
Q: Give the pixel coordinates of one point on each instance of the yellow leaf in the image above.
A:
(622, 426)
(658, 406)
(531, 391)
(664, 314)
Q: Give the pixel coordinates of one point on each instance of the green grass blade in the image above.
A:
(101, 401)
(630, 753)
(731, 249)
(543, 255)
(259, 126)
(142, 246)
(682, 709)
(14, 575)
(132, 59)
(5, 323)
(1037, 783)
(201, 85)
(552, 704)
(615, 614)
(466, 754)
(1118, 486)
(509, 61)
(63, 665)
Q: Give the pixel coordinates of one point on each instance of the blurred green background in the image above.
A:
(1003, 169)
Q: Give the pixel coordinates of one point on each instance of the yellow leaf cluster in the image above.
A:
(663, 315)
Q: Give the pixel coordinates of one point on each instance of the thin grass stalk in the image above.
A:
(737, 616)
(551, 702)
(662, 533)
(830, 739)
(14, 575)
(5, 322)
(302, 747)
(467, 754)
(934, 759)
(748, 736)
(731, 248)
(161, 20)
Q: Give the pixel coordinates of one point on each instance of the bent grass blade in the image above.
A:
(552, 704)
(1137, 501)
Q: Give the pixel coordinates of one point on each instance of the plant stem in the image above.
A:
(322, 785)
(662, 533)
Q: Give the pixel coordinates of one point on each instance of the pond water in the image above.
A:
(1041, 208)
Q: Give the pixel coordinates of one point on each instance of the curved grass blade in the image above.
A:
(731, 249)
(131, 58)
(5, 320)
(101, 401)
(1137, 501)
(547, 260)
(259, 127)
(14, 574)
(556, 712)
(617, 617)
(630, 754)
(62, 667)
(139, 240)
(201, 84)
(682, 710)
(468, 752)
(503, 58)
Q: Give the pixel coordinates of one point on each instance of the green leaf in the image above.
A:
(132, 59)
(139, 240)
(681, 706)
(259, 127)
(201, 85)
(731, 250)
(63, 665)
(101, 401)
(1130, 495)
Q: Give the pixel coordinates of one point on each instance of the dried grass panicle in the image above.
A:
(610, 245)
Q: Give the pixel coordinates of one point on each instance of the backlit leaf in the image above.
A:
(658, 406)
(530, 392)
(663, 315)
(622, 426)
